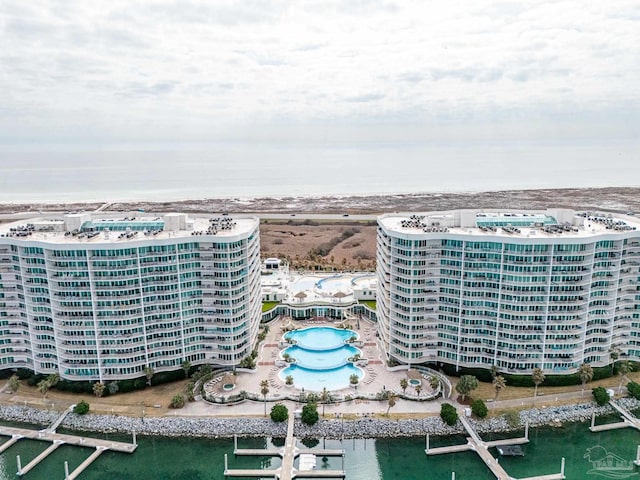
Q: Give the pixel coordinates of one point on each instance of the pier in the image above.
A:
(628, 420)
(476, 444)
(288, 453)
(58, 439)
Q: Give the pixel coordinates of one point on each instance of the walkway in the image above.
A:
(288, 453)
(475, 443)
(57, 440)
(629, 420)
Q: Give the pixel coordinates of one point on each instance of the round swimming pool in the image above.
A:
(320, 338)
(321, 358)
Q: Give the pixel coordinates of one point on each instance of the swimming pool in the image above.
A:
(321, 358)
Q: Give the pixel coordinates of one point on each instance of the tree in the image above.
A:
(186, 366)
(149, 373)
(614, 355)
(324, 396)
(494, 371)
(538, 377)
(279, 413)
(404, 383)
(53, 379)
(310, 414)
(499, 383)
(14, 383)
(354, 379)
(624, 367)
(43, 388)
(81, 408)
(177, 401)
(288, 380)
(600, 395)
(113, 388)
(418, 389)
(633, 389)
(586, 374)
(391, 402)
(434, 382)
(448, 414)
(98, 389)
(466, 385)
(479, 408)
(264, 390)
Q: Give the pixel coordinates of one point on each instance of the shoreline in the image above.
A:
(620, 199)
(228, 427)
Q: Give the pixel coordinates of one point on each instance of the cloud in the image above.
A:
(234, 64)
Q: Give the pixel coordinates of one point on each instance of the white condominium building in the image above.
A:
(518, 290)
(100, 298)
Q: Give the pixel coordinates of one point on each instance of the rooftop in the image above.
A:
(104, 228)
(552, 223)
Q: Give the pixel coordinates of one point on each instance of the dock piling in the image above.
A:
(593, 419)
(427, 444)
(19, 465)
(637, 462)
(526, 430)
(66, 470)
(562, 467)
(134, 438)
(453, 475)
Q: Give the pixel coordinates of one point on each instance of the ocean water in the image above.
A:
(365, 459)
(59, 173)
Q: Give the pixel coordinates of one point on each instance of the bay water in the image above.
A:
(587, 456)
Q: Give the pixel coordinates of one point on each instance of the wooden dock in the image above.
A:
(58, 439)
(628, 420)
(475, 443)
(288, 453)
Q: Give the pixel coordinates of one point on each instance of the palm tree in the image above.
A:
(14, 383)
(614, 355)
(149, 373)
(586, 374)
(404, 383)
(623, 368)
(325, 398)
(186, 366)
(494, 371)
(98, 389)
(391, 402)
(264, 390)
(538, 377)
(418, 389)
(499, 383)
(43, 388)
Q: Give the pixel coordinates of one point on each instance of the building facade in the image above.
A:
(103, 298)
(475, 289)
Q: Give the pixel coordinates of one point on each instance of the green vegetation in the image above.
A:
(279, 413)
(81, 408)
(310, 414)
(600, 395)
(177, 401)
(448, 414)
(479, 408)
(369, 303)
(634, 390)
(266, 306)
(466, 385)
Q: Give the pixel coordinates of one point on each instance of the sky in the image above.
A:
(319, 71)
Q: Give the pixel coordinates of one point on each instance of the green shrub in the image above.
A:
(448, 414)
(310, 414)
(177, 401)
(600, 395)
(634, 390)
(279, 413)
(479, 408)
(81, 408)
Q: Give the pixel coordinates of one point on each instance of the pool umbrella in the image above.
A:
(300, 295)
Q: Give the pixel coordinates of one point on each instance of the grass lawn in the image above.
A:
(266, 306)
(369, 303)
